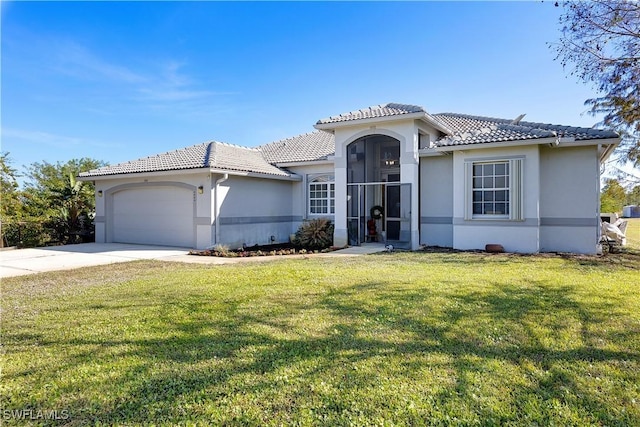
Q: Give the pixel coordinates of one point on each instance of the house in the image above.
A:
(450, 180)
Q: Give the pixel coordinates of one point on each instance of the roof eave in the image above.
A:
(370, 120)
(193, 171)
(290, 177)
(189, 171)
(513, 143)
(583, 142)
(606, 148)
(552, 141)
(305, 163)
(431, 152)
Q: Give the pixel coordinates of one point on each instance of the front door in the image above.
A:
(379, 212)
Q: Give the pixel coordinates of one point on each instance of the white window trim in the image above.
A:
(312, 180)
(516, 190)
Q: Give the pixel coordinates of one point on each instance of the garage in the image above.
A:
(154, 215)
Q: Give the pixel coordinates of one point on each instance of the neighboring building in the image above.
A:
(449, 180)
(631, 211)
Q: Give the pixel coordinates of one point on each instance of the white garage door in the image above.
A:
(154, 216)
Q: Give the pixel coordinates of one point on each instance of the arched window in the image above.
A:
(322, 195)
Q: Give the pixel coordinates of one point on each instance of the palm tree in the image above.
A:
(73, 202)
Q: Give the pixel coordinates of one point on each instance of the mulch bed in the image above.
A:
(260, 250)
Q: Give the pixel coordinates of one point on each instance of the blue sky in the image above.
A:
(117, 81)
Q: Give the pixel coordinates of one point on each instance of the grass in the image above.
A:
(633, 233)
(389, 339)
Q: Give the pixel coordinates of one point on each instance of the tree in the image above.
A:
(10, 199)
(601, 41)
(55, 197)
(75, 208)
(612, 197)
(633, 196)
(9, 189)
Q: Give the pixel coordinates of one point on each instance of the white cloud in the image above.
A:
(161, 88)
(76, 60)
(36, 137)
(171, 85)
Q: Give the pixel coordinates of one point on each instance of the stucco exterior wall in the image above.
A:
(516, 236)
(436, 201)
(407, 133)
(107, 188)
(569, 203)
(300, 189)
(559, 191)
(252, 210)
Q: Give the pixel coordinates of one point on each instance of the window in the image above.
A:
(491, 188)
(322, 195)
(494, 189)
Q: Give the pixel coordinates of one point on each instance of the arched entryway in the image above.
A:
(378, 203)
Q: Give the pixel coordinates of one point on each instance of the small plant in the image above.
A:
(221, 249)
(315, 234)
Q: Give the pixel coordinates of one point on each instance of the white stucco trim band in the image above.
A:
(529, 222)
(202, 220)
(568, 222)
(483, 222)
(436, 220)
(259, 219)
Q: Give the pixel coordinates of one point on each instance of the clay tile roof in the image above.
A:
(382, 110)
(462, 129)
(307, 147)
(213, 154)
(481, 130)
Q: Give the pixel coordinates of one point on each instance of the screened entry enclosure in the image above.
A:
(378, 204)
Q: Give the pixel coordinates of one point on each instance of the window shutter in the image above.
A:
(516, 189)
(468, 190)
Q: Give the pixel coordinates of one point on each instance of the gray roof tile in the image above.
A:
(481, 130)
(307, 147)
(213, 154)
(319, 145)
(382, 110)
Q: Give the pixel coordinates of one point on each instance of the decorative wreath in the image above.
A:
(377, 212)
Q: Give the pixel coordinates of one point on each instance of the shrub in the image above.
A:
(314, 234)
(26, 234)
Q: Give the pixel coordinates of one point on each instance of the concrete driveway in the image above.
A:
(19, 262)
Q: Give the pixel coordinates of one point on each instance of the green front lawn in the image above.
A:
(633, 233)
(389, 339)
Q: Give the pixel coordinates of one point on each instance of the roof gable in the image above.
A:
(376, 111)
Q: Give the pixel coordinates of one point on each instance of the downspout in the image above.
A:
(216, 210)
